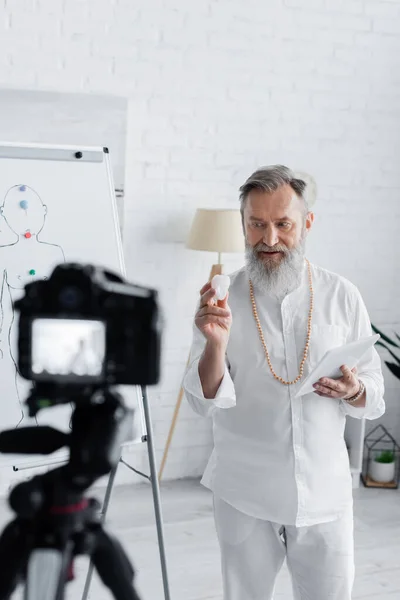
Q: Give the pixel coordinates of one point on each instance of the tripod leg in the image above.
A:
(113, 566)
(46, 573)
(156, 494)
(106, 502)
(14, 550)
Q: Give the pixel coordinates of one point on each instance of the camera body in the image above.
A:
(85, 327)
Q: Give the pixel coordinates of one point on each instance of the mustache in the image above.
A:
(261, 247)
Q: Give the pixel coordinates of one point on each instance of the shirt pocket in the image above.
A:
(324, 338)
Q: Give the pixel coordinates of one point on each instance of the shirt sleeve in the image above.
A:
(369, 368)
(225, 396)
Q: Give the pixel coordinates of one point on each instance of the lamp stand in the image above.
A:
(215, 270)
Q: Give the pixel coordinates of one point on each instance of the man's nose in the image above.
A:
(270, 236)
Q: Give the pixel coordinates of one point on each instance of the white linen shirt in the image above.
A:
(277, 457)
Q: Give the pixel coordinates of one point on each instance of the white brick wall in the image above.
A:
(61, 118)
(216, 88)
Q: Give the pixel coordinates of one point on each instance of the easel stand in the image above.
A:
(156, 500)
(215, 270)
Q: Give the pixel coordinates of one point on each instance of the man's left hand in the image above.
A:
(343, 388)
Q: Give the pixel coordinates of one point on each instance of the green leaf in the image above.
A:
(395, 369)
(379, 343)
(385, 337)
(386, 456)
(396, 358)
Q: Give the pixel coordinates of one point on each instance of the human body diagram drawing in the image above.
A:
(28, 257)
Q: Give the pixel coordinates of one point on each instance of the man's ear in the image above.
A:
(309, 221)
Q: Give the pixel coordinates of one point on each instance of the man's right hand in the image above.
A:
(214, 318)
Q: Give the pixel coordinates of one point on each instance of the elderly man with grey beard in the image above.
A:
(279, 471)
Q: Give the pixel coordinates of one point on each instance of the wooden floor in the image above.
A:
(193, 558)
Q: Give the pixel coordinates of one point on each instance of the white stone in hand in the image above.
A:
(220, 283)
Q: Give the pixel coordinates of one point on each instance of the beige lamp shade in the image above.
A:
(216, 230)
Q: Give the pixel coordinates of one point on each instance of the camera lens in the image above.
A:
(70, 297)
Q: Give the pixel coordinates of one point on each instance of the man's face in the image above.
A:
(275, 224)
(29, 216)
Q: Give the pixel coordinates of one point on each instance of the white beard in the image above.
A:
(276, 279)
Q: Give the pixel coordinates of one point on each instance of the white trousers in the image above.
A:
(320, 558)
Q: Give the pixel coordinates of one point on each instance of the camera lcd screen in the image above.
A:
(70, 349)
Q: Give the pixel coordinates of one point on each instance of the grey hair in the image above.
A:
(269, 179)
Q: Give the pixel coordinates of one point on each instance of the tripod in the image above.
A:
(55, 521)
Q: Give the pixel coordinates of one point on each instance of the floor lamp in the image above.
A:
(213, 230)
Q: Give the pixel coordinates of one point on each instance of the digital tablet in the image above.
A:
(330, 363)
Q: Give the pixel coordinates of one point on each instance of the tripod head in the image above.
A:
(100, 424)
(54, 521)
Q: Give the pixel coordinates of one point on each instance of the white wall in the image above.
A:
(72, 119)
(217, 88)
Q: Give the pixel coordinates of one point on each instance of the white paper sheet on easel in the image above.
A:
(330, 363)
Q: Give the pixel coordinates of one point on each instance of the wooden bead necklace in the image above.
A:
(306, 347)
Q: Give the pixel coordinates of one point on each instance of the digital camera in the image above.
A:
(86, 326)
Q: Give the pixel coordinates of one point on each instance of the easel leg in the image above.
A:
(109, 489)
(156, 494)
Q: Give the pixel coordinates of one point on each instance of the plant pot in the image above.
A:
(382, 472)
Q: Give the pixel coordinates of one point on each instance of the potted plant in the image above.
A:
(382, 467)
